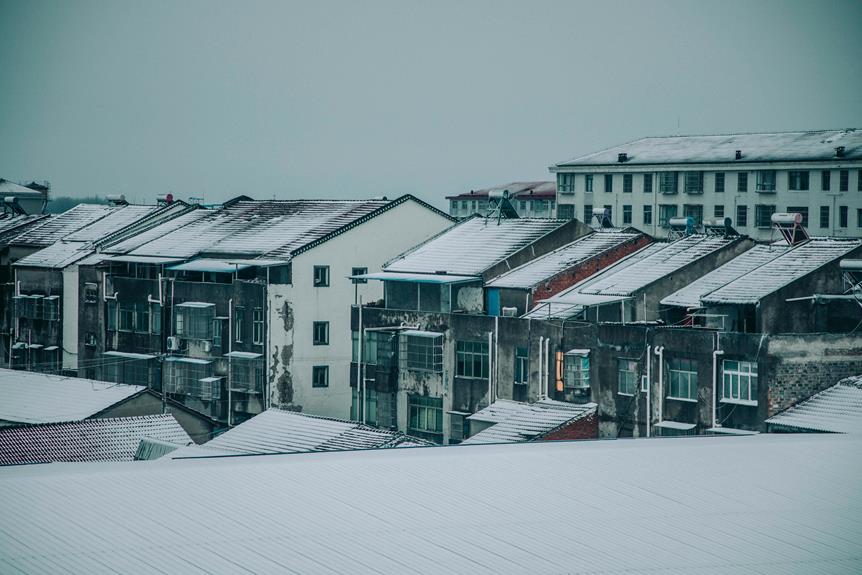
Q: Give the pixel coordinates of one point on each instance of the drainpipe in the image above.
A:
(361, 336)
(496, 357)
(539, 391)
(659, 351)
(229, 354)
(547, 357)
(648, 386)
(490, 370)
(717, 352)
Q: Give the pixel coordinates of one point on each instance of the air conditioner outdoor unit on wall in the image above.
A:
(208, 346)
(173, 343)
(510, 312)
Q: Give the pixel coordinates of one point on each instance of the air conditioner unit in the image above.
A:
(173, 343)
(208, 346)
(510, 312)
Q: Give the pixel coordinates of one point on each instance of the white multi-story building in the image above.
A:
(530, 200)
(744, 177)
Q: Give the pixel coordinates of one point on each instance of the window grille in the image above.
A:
(422, 351)
(194, 320)
(576, 371)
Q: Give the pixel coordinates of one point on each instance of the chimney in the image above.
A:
(839, 152)
(738, 154)
(622, 157)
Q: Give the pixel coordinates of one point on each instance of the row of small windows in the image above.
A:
(523, 207)
(693, 181)
(762, 214)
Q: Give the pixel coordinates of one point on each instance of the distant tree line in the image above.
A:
(60, 204)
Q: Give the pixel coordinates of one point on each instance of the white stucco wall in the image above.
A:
(368, 245)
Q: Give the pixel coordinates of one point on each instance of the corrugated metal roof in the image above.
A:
(14, 225)
(644, 267)
(779, 272)
(132, 243)
(69, 222)
(690, 295)
(834, 410)
(280, 431)
(30, 397)
(516, 421)
(765, 504)
(540, 269)
(472, 246)
(120, 218)
(113, 439)
(766, 147)
(517, 190)
(58, 255)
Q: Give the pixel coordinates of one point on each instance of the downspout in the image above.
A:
(267, 341)
(541, 379)
(547, 367)
(229, 355)
(496, 357)
(490, 371)
(360, 334)
(648, 386)
(715, 355)
(659, 351)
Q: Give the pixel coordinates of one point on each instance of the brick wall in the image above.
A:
(584, 428)
(573, 275)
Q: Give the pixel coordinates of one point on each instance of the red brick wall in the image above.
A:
(583, 428)
(573, 275)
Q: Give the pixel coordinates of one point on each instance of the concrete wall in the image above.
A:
(293, 309)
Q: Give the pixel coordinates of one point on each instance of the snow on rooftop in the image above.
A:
(766, 147)
(781, 271)
(516, 421)
(109, 439)
(57, 255)
(143, 238)
(12, 225)
(542, 268)
(690, 295)
(30, 397)
(765, 504)
(69, 222)
(123, 217)
(280, 431)
(472, 246)
(837, 409)
(517, 190)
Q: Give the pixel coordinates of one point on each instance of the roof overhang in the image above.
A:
(143, 259)
(129, 355)
(417, 278)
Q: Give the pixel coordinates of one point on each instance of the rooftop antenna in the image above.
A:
(789, 225)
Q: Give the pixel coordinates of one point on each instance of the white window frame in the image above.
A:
(737, 380)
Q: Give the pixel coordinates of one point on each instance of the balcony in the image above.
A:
(765, 188)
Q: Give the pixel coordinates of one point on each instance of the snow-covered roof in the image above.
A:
(109, 439)
(69, 222)
(280, 431)
(766, 147)
(12, 225)
(30, 397)
(57, 255)
(134, 242)
(769, 504)
(834, 410)
(517, 190)
(781, 271)
(542, 268)
(120, 218)
(690, 295)
(516, 421)
(472, 246)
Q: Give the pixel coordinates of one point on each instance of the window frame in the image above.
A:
(647, 214)
(588, 183)
(741, 216)
(321, 276)
(742, 182)
(628, 184)
(825, 217)
(677, 370)
(628, 376)
(318, 372)
(647, 185)
(693, 182)
(627, 214)
(359, 272)
(320, 333)
(609, 183)
(718, 186)
(468, 353)
(727, 383)
(798, 180)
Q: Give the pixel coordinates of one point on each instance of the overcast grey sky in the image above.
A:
(358, 99)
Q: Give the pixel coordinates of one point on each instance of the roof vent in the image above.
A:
(738, 154)
(839, 152)
(622, 157)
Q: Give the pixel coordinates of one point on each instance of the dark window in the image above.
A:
(321, 276)
(588, 213)
(112, 314)
(667, 182)
(718, 211)
(320, 376)
(843, 180)
(257, 326)
(522, 365)
(609, 182)
(742, 216)
(588, 183)
(91, 292)
(763, 215)
(627, 183)
(802, 210)
(647, 215)
(719, 182)
(647, 183)
(694, 182)
(425, 414)
(682, 376)
(238, 320)
(609, 211)
(695, 211)
(766, 181)
(321, 333)
(627, 214)
(859, 217)
(359, 272)
(566, 211)
(843, 215)
(156, 318)
(825, 180)
(471, 359)
(665, 213)
(566, 183)
(742, 182)
(824, 216)
(859, 180)
(627, 376)
(797, 180)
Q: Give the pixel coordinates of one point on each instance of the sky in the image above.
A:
(352, 99)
